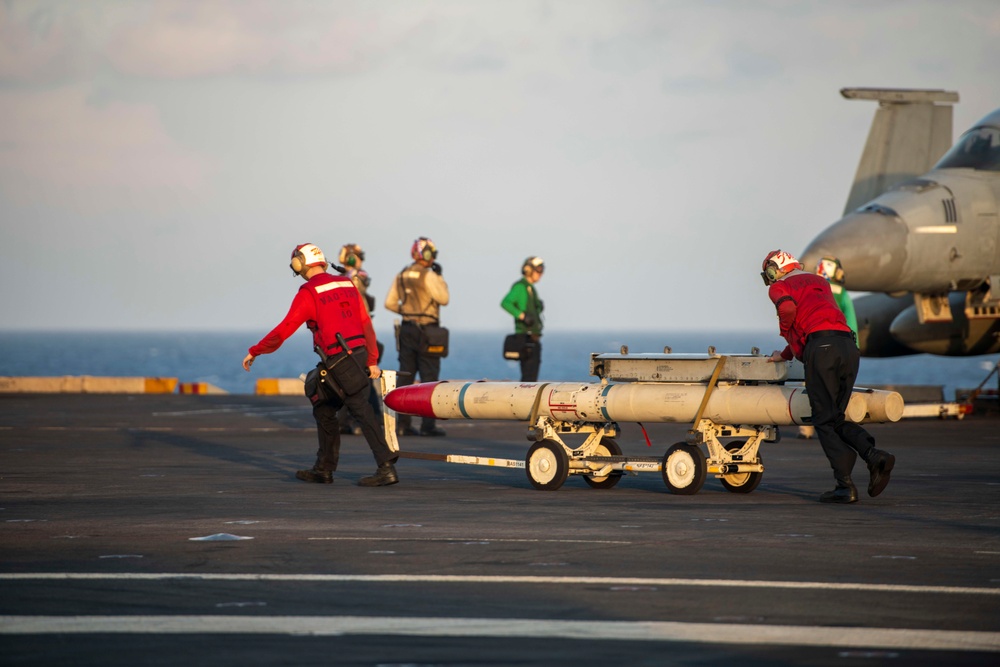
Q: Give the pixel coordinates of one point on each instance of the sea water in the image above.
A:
(216, 357)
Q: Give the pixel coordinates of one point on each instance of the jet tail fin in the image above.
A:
(911, 130)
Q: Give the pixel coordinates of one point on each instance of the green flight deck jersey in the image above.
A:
(523, 298)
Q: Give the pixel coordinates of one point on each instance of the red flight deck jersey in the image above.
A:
(327, 304)
(805, 305)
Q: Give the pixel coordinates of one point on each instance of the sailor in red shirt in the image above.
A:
(812, 323)
(331, 305)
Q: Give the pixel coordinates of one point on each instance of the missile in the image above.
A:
(728, 403)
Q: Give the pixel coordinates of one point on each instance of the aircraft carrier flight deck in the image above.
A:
(170, 529)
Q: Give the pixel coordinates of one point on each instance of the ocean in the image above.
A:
(215, 357)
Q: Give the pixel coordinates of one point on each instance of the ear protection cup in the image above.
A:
(351, 255)
(298, 262)
(771, 271)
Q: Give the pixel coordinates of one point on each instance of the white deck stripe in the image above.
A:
(485, 579)
(462, 539)
(714, 633)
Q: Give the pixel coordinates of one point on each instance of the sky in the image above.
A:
(160, 159)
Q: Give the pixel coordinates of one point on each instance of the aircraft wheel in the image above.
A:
(684, 469)
(547, 465)
(740, 482)
(607, 447)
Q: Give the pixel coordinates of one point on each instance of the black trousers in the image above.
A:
(531, 365)
(344, 415)
(412, 362)
(362, 407)
(831, 365)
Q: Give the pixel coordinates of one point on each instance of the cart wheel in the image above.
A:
(547, 465)
(684, 469)
(607, 447)
(740, 482)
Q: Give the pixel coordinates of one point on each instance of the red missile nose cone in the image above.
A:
(414, 399)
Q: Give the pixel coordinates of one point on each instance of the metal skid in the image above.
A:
(736, 463)
(598, 459)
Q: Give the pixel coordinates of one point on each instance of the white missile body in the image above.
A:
(630, 402)
(740, 398)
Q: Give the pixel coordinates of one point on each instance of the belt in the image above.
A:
(336, 346)
(829, 332)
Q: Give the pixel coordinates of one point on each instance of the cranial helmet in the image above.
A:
(776, 263)
(305, 256)
(423, 248)
(830, 268)
(351, 255)
(533, 264)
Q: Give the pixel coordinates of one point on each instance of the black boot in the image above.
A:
(880, 464)
(844, 493)
(314, 475)
(384, 476)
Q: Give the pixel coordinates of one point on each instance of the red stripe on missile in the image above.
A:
(414, 399)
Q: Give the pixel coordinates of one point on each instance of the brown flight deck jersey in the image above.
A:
(417, 293)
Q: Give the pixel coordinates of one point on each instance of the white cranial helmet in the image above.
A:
(305, 256)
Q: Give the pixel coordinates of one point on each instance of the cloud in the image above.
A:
(41, 43)
(56, 143)
(51, 42)
(249, 38)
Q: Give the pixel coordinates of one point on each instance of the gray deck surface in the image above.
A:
(101, 497)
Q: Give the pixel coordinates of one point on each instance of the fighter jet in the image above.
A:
(926, 245)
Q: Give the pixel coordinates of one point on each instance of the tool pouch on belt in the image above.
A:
(349, 371)
(318, 387)
(518, 346)
(434, 340)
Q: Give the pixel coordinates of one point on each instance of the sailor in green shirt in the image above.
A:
(523, 304)
(830, 268)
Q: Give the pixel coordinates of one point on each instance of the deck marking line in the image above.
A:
(495, 579)
(463, 539)
(715, 633)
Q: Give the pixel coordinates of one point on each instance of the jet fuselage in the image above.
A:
(937, 237)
